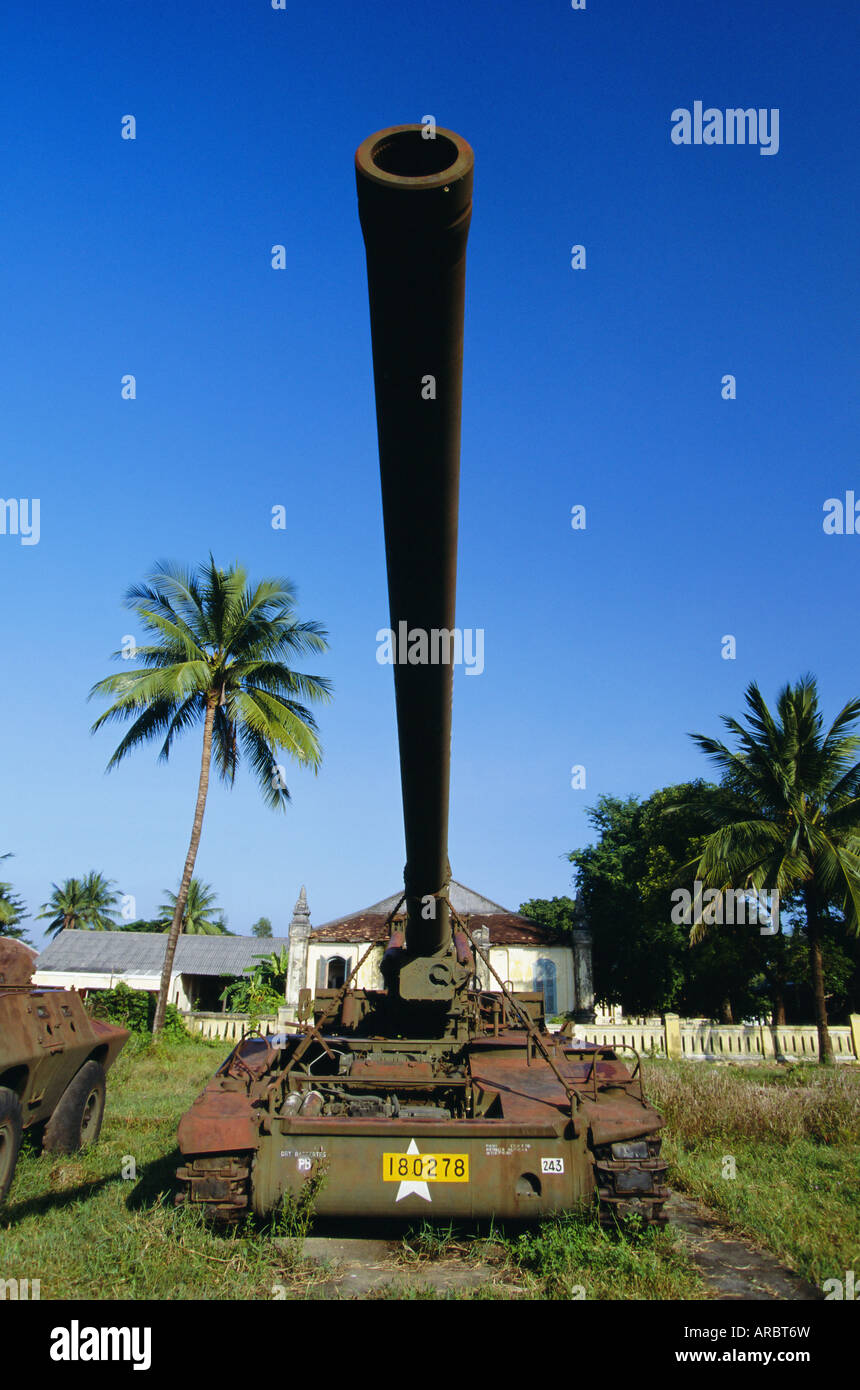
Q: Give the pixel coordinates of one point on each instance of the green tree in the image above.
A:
(636, 950)
(64, 907)
(625, 883)
(791, 818)
(145, 924)
(200, 917)
(86, 903)
(262, 927)
(12, 910)
(218, 657)
(557, 915)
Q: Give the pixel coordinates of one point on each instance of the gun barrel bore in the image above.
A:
(415, 204)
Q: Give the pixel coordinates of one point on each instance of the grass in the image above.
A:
(569, 1257)
(790, 1135)
(85, 1231)
(102, 1224)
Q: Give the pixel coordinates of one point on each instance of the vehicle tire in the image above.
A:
(77, 1119)
(11, 1129)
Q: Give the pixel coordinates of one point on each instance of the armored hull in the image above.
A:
(509, 1125)
(53, 1061)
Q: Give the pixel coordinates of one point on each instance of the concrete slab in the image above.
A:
(348, 1268)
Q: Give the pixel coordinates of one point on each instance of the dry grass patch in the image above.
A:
(773, 1151)
(704, 1101)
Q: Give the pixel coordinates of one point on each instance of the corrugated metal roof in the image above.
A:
(142, 953)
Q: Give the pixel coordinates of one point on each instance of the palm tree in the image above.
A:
(12, 910)
(795, 825)
(81, 903)
(200, 915)
(101, 900)
(64, 906)
(218, 657)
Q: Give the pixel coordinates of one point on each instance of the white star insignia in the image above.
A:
(420, 1189)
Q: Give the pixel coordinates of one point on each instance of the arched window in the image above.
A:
(545, 980)
(336, 973)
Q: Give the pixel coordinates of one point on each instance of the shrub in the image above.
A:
(133, 1009)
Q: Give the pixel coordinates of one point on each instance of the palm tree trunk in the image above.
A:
(816, 970)
(778, 981)
(726, 1011)
(181, 897)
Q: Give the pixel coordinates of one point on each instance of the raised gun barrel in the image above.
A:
(415, 205)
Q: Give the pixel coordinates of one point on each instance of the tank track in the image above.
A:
(217, 1184)
(629, 1178)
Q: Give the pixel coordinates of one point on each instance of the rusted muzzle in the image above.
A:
(415, 203)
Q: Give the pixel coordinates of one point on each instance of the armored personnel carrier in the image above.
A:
(434, 1094)
(53, 1060)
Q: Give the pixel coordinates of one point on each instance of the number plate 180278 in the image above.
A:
(425, 1167)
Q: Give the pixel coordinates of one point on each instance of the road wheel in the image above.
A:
(77, 1119)
(11, 1128)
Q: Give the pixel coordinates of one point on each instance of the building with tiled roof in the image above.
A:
(520, 951)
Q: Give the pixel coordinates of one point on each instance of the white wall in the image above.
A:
(77, 979)
(518, 963)
(514, 963)
(368, 976)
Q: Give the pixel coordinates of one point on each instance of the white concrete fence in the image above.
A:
(690, 1040)
(230, 1027)
(700, 1040)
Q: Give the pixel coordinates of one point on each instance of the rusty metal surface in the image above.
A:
(529, 1089)
(46, 1037)
(220, 1121)
(17, 962)
(219, 1183)
(409, 1071)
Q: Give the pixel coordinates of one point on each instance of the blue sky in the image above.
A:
(254, 388)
